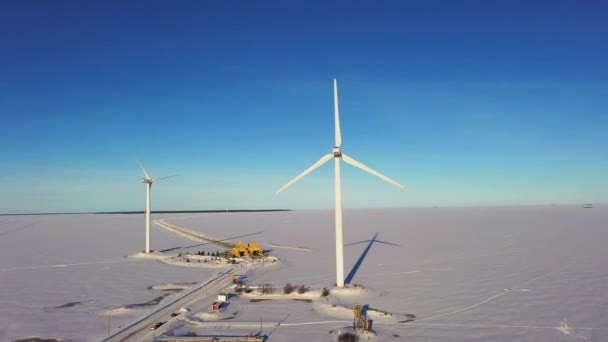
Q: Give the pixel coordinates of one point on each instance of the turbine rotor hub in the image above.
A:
(337, 152)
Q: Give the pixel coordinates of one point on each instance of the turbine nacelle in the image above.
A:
(147, 179)
(337, 152)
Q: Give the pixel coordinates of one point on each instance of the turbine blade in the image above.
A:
(320, 162)
(374, 241)
(157, 179)
(387, 243)
(337, 115)
(355, 163)
(356, 243)
(143, 169)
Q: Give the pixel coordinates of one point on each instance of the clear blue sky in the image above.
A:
(465, 102)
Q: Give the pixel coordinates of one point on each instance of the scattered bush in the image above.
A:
(302, 289)
(248, 290)
(239, 286)
(325, 292)
(266, 289)
(288, 288)
(348, 337)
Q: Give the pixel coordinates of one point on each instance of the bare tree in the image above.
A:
(288, 288)
(266, 289)
(302, 289)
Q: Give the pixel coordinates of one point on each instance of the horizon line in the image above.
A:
(277, 209)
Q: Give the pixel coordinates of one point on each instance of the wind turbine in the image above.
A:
(148, 181)
(337, 155)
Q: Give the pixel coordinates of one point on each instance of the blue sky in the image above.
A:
(465, 102)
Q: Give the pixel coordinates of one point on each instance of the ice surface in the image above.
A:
(475, 274)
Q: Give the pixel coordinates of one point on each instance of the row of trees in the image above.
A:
(268, 288)
(287, 289)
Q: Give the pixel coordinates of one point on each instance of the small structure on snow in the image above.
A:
(361, 322)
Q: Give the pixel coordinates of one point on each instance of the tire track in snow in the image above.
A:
(505, 291)
(492, 326)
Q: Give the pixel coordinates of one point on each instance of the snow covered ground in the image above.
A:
(61, 274)
(475, 274)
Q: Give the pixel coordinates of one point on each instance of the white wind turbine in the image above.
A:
(148, 181)
(337, 155)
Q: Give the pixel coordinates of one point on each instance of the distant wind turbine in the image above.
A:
(337, 155)
(148, 181)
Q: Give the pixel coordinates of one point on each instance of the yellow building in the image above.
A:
(239, 250)
(253, 249)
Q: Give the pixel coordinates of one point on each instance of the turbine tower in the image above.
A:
(148, 181)
(337, 155)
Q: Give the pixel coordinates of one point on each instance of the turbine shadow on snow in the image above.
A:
(265, 337)
(355, 268)
(208, 243)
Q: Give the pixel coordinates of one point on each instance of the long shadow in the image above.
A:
(208, 243)
(355, 268)
(265, 337)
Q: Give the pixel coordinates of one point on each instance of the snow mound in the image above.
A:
(170, 286)
(206, 316)
(152, 255)
(348, 291)
(341, 311)
(117, 311)
(195, 262)
(333, 310)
